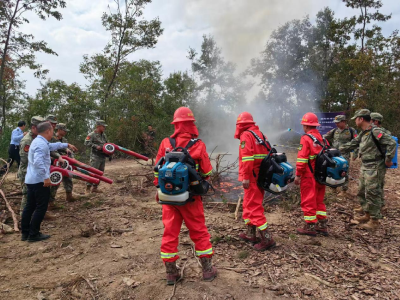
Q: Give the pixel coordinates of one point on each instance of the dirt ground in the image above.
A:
(107, 247)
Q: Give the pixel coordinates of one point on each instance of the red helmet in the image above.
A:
(310, 119)
(183, 114)
(245, 118)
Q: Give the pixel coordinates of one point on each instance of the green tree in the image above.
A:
(17, 49)
(369, 12)
(129, 33)
(69, 103)
(180, 90)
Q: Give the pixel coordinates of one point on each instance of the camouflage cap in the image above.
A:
(376, 116)
(101, 123)
(52, 119)
(62, 126)
(36, 120)
(361, 113)
(340, 118)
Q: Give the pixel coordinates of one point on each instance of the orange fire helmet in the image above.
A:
(183, 114)
(310, 119)
(245, 118)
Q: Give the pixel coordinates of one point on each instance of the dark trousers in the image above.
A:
(13, 154)
(35, 209)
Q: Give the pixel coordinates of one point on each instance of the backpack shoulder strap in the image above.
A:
(172, 142)
(377, 144)
(261, 141)
(315, 140)
(191, 143)
(351, 132)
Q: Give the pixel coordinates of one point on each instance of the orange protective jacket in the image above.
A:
(251, 154)
(308, 152)
(198, 152)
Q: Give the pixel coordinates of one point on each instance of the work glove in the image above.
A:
(246, 183)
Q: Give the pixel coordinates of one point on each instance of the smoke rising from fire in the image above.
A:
(241, 29)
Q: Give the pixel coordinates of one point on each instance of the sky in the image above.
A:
(240, 27)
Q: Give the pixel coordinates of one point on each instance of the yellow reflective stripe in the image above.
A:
(168, 255)
(260, 156)
(302, 160)
(156, 174)
(310, 218)
(247, 158)
(313, 156)
(321, 213)
(206, 174)
(197, 167)
(208, 251)
(263, 227)
(246, 221)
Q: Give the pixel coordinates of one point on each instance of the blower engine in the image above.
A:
(110, 148)
(275, 173)
(57, 174)
(178, 179)
(331, 168)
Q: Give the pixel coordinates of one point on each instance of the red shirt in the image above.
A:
(308, 152)
(251, 154)
(198, 152)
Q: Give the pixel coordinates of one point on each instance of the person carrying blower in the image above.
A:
(192, 212)
(251, 154)
(312, 193)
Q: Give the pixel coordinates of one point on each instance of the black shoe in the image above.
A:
(24, 237)
(37, 238)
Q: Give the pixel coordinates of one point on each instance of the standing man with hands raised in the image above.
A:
(38, 182)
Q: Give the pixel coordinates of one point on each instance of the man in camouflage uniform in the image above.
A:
(95, 141)
(377, 150)
(54, 155)
(67, 182)
(340, 136)
(377, 119)
(23, 153)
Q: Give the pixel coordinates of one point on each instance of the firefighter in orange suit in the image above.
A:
(251, 154)
(312, 193)
(191, 213)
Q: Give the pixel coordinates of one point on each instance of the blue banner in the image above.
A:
(326, 121)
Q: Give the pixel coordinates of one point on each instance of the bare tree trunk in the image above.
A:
(3, 66)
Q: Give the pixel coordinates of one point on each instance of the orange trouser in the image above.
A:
(193, 215)
(312, 199)
(253, 210)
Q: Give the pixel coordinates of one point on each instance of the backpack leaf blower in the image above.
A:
(110, 148)
(331, 168)
(69, 167)
(177, 177)
(101, 178)
(57, 174)
(275, 171)
(75, 163)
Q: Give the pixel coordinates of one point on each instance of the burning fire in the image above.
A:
(229, 187)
